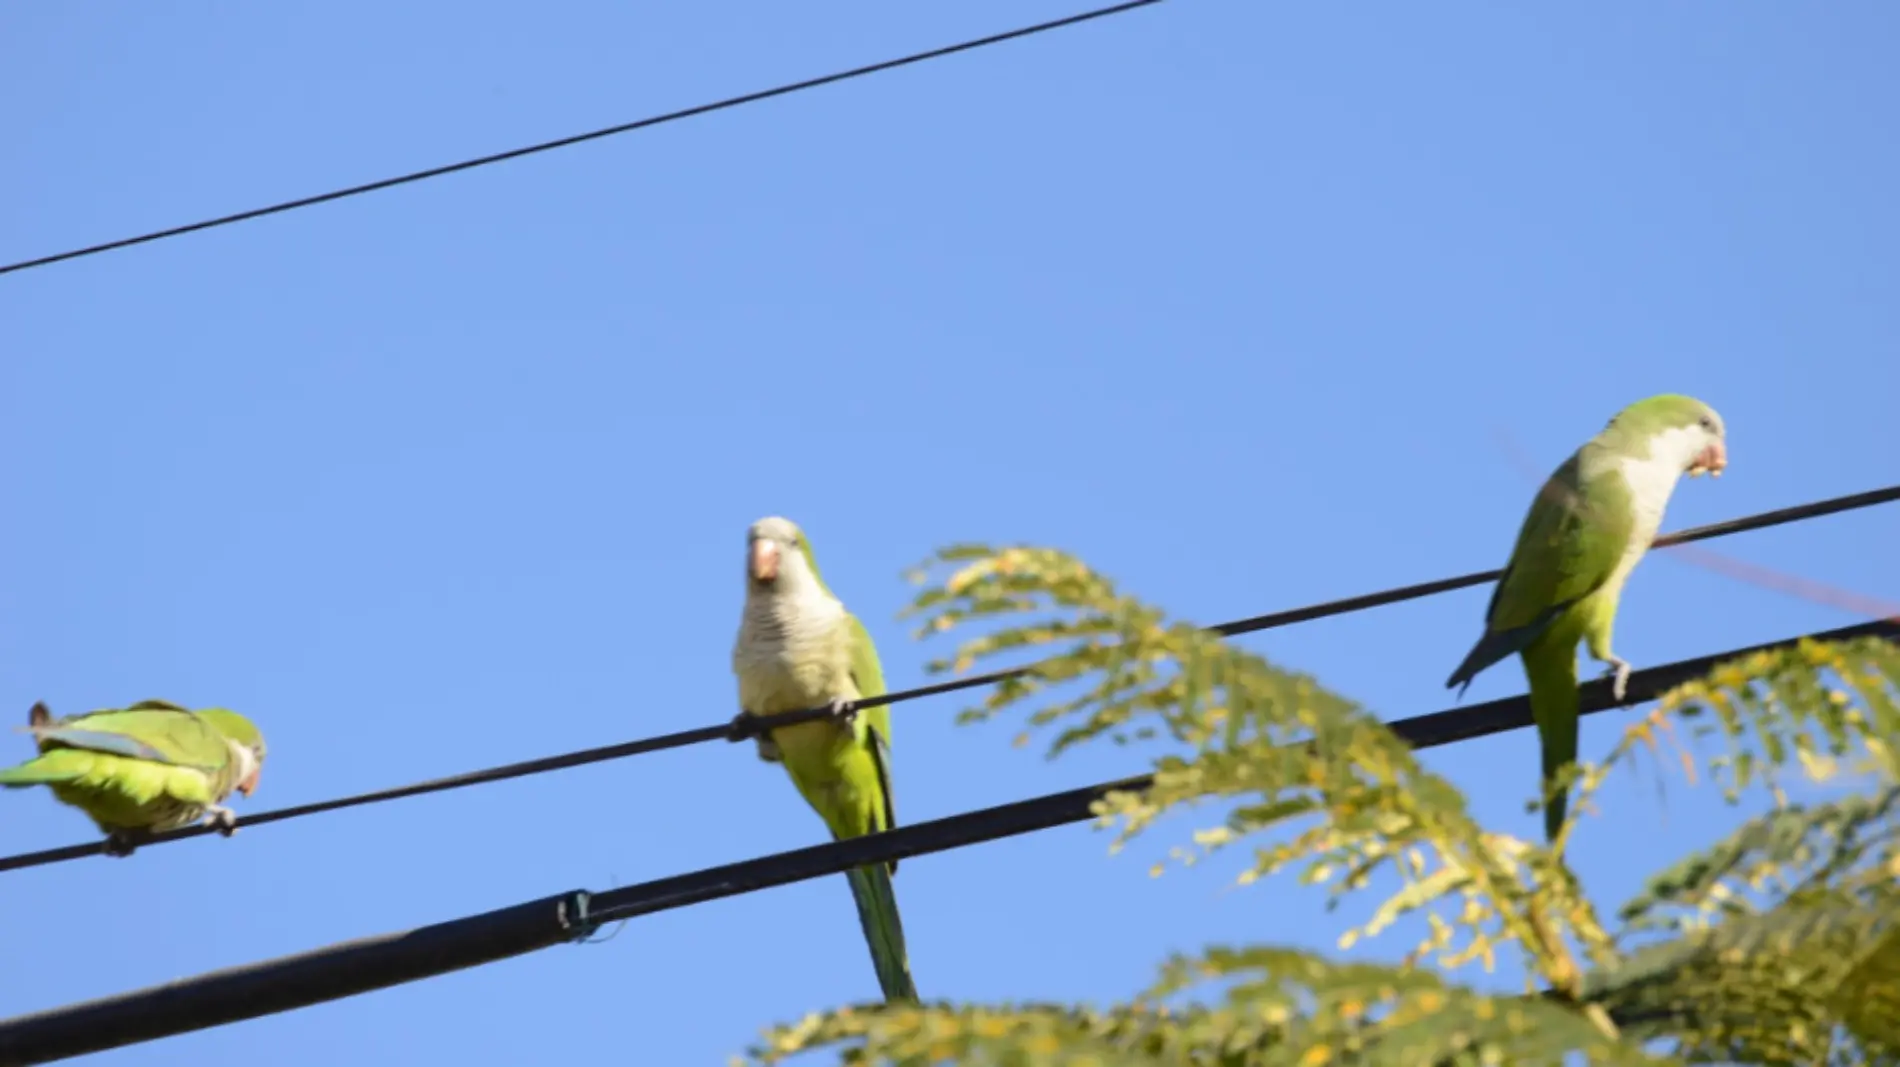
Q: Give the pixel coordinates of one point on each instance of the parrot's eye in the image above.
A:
(1708, 423)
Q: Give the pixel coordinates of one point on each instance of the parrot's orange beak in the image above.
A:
(764, 560)
(249, 784)
(1711, 460)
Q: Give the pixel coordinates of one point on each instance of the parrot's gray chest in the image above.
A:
(791, 656)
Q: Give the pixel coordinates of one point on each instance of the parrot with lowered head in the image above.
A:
(1591, 523)
(141, 770)
(799, 648)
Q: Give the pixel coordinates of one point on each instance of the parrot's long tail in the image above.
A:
(883, 931)
(1551, 669)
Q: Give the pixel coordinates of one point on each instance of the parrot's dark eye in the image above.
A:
(1708, 423)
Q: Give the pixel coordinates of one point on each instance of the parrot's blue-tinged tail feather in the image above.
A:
(883, 931)
(1490, 648)
(1497, 644)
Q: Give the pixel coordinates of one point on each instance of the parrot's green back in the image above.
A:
(1576, 534)
(152, 766)
(800, 649)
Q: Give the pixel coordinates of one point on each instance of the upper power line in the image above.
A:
(563, 142)
(728, 731)
(367, 964)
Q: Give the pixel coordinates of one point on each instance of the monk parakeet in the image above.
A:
(799, 648)
(151, 767)
(1588, 527)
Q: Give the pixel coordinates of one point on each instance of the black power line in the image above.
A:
(737, 732)
(368, 964)
(1798, 513)
(563, 142)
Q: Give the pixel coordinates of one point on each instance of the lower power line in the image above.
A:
(367, 964)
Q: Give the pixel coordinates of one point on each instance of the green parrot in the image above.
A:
(1589, 526)
(799, 648)
(151, 767)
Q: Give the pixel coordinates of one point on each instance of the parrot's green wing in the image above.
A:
(150, 730)
(1577, 530)
(867, 675)
(1573, 537)
(871, 886)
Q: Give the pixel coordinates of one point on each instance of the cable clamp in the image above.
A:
(574, 917)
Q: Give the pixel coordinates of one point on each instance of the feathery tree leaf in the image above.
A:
(1322, 785)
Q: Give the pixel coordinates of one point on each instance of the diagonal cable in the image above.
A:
(579, 138)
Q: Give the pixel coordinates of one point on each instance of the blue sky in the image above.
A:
(1231, 299)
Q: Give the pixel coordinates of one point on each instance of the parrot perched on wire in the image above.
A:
(1590, 524)
(144, 769)
(799, 648)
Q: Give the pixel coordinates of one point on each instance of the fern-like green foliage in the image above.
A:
(1776, 946)
(1813, 705)
(1812, 980)
(1283, 1007)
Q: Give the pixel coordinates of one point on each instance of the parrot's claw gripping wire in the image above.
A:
(742, 727)
(845, 711)
(121, 843)
(222, 819)
(1620, 673)
(746, 725)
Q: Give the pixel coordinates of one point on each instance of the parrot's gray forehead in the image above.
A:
(773, 528)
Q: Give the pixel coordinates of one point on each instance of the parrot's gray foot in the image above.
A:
(122, 843)
(222, 819)
(745, 725)
(741, 727)
(1620, 674)
(845, 711)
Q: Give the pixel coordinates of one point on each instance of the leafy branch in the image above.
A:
(1322, 785)
(1281, 1007)
(1780, 944)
